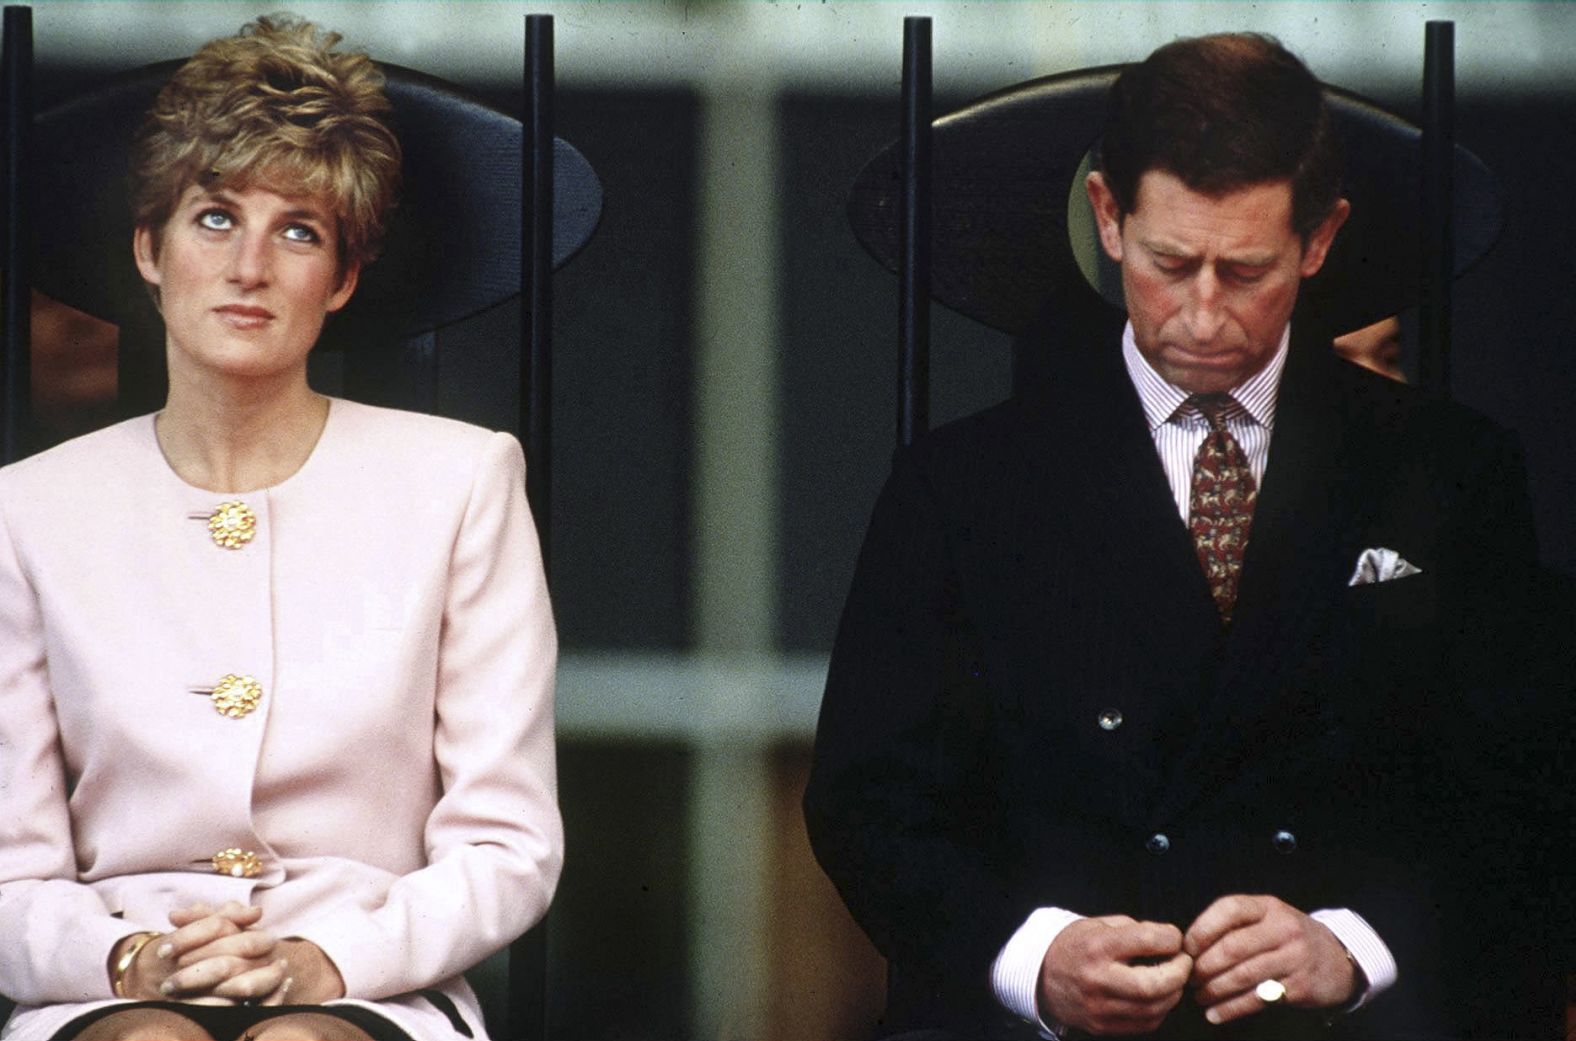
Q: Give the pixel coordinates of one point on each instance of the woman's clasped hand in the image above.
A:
(224, 956)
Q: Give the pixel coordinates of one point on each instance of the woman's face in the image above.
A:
(246, 278)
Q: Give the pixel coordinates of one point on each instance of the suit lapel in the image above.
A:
(1086, 429)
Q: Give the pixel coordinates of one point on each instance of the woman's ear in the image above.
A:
(145, 247)
(347, 285)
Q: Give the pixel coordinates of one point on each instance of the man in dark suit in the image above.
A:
(1138, 720)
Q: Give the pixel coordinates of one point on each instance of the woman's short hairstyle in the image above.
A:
(1220, 113)
(274, 106)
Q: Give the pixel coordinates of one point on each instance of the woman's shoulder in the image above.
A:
(80, 460)
(392, 428)
(414, 448)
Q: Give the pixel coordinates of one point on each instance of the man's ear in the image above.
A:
(145, 247)
(347, 285)
(1107, 214)
(1319, 242)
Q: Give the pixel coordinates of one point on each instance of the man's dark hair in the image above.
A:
(1220, 113)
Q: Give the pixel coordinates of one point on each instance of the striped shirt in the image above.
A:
(1178, 432)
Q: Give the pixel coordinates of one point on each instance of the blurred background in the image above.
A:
(724, 398)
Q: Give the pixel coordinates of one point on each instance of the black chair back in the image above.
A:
(997, 236)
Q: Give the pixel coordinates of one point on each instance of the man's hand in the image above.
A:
(1088, 981)
(1241, 941)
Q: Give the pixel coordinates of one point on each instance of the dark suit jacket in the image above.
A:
(1025, 571)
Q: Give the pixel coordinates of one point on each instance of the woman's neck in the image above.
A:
(238, 438)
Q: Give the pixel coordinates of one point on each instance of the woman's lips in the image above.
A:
(245, 316)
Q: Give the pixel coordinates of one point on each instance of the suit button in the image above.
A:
(237, 863)
(1110, 719)
(233, 696)
(231, 525)
(1157, 843)
(1284, 842)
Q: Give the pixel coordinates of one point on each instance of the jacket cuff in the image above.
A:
(367, 957)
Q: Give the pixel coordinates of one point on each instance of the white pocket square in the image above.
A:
(1381, 565)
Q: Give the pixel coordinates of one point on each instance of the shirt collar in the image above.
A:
(1161, 398)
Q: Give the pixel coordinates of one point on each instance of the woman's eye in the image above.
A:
(301, 233)
(216, 220)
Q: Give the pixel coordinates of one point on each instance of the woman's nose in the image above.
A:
(249, 261)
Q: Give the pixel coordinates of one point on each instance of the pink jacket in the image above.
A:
(395, 783)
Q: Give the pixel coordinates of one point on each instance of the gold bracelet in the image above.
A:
(117, 975)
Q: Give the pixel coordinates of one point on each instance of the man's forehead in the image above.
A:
(1253, 221)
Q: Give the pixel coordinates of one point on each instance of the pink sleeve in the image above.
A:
(55, 933)
(494, 840)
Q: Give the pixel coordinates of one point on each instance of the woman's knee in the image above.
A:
(307, 1026)
(144, 1024)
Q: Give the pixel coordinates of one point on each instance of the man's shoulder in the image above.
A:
(1409, 421)
(975, 444)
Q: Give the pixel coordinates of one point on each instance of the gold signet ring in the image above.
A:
(1270, 991)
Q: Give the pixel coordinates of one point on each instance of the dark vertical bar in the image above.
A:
(16, 72)
(1439, 143)
(536, 274)
(913, 242)
(528, 954)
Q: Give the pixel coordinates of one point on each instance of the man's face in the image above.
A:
(1210, 281)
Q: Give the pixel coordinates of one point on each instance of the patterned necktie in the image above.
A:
(1220, 511)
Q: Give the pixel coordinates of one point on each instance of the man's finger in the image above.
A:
(1243, 977)
(1239, 1006)
(1220, 918)
(1152, 983)
(1235, 947)
(1140, 940)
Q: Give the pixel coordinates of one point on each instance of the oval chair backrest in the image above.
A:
(453, 245)
(1003, 170)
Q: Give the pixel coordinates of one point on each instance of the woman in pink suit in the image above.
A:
(276, 670)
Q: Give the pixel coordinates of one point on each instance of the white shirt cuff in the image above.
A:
(1373, 958)
(1015, 974)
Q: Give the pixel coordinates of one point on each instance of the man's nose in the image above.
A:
(1205, 311)
(249, 260)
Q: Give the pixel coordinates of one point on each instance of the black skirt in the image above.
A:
(229, 1022)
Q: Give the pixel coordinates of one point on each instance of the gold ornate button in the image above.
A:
(232, 525)
(233, 696)
(237, 863)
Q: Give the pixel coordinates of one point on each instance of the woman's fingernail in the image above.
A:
(1213, 1015)
(167, 987)
(165, 950)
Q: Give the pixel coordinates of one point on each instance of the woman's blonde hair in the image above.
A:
(274, 106)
